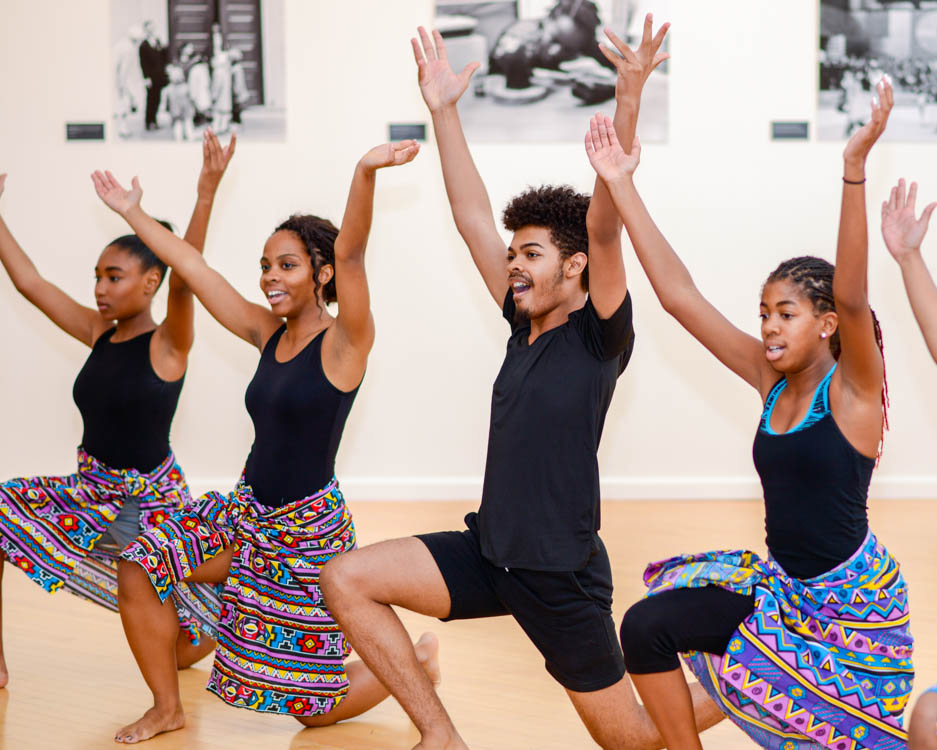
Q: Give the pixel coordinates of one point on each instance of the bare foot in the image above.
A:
(153, 722)
(427, 651)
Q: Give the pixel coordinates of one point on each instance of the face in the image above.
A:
(540, 278)
(794, 334)
(122, 288)
(287, 275)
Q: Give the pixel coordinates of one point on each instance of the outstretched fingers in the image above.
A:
(440, 46)
(429, 51)
(623, 49)
(912, 197)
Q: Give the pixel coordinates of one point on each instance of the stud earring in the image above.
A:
(823, 335)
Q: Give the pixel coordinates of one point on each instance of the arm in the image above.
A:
(922, 729)
(244, 319)
(903, 237)
(607, 280)
(176, 330)
(76, 320)
(354, 326)
(741, 353)
(861, 367)
(471, 208)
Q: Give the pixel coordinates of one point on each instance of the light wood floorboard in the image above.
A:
(73, 680)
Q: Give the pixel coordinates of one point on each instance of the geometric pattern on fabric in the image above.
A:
(50, 526)
(278, 648)
(820, 663)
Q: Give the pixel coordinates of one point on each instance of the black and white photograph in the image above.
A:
(862, 40)
(542, 73)
(180, 66)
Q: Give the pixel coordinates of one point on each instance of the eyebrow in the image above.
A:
(778, 304)
(112, 268)
(527, 244)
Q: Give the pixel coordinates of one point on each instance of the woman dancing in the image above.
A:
(67, 531)
(903, 234)
(279, 649)
(810, 647)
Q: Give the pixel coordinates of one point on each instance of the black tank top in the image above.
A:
(298, 420)
(126, 408)
(815, 485)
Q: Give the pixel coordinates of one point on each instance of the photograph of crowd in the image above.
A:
(183, 65)
(541, 68)
(862, 40)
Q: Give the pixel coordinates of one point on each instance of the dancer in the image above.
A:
(532, 551)
(279, 651)
(903, 235)
(810, 647)
(922, 729)
(67, 531)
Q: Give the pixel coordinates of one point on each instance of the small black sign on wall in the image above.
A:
(406, 131)
(84, 131)
(789, 131)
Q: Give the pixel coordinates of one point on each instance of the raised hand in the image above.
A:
(605, 153)
(115, 197)
(634, 66)
(903, 233)
(439, 84)
(215, 160)
(390, 155)
(858, 147)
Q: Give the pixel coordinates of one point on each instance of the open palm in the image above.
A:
(634, 66)
(903, 233)
(439, 84)
(605, 153)
(865, 137)
(390, 155)
(116, 197)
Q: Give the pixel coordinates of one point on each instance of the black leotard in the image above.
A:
(126, 408)
(298, 420)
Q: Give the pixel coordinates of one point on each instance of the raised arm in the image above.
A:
(607, 281)
(354, 325)
(84, 323)
(177, 331)
(903, 237)
(741, 353)
(250, 322)
(471, 208)
(861, 366)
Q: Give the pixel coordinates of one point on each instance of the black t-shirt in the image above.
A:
(540, 501)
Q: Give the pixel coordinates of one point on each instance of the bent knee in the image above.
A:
(337, 577)
(131, 577)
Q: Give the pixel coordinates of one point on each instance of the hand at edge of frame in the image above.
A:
(903, 234)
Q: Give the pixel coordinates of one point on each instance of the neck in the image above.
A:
(134, 326)
(806, 380)
(311, 320)
(557, 316)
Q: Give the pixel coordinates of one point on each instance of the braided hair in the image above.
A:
(318, 235)
(814, 276)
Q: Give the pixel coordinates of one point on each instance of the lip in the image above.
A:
(519, 292)
(102, 306)
(280, 296)
(773, 354)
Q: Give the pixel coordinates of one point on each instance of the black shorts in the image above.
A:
(568, 616)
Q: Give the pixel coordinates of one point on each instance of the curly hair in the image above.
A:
(814, 276)
(558, 208)
(318, 235)
(133, 245)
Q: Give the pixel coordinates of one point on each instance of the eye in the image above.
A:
(763, 316)
(114, 279)
(532, 254)
(787, 316)
(287, 265)
(510, 257)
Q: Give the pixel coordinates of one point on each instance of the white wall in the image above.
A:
(732, 203)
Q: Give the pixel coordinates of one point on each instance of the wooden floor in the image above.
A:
(73, 680)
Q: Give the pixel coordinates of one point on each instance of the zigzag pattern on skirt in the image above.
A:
(279, 650)
(821, 663)
(50, 527)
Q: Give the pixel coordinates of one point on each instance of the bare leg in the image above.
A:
(152, 630)
(4, 673)
(667, 699)
(615, 719)
(922, 729)
(359, 588)
(366, 691)
(188, 654)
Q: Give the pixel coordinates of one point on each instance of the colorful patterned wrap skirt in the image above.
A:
(279, 650)
(820, 663)
(50, 528)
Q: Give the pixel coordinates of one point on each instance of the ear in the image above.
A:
(829, 322)
(151, 281)
(576, 264)
(326, 274)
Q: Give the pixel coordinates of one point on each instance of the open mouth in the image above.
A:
(774, 352)
(275, 296)
(519, 287)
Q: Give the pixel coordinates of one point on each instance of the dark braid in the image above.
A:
(318, 235)
(814, 276)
